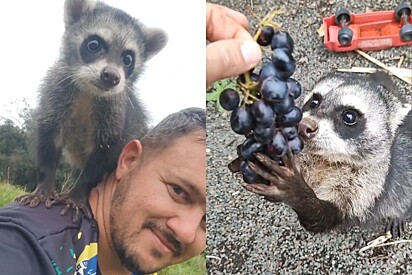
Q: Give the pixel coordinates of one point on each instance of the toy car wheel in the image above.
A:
(342, 14)
(345, 36)
(406, 33)
(402, 8)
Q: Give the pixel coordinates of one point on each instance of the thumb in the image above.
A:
(229, 58)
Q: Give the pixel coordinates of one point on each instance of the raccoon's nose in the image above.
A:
(110, 77)
(308, 128)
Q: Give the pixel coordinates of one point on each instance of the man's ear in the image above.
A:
(129, 158)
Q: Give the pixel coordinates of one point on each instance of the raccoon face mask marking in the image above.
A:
(103, 69)
(107, 48)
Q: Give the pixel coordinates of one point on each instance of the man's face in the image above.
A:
(158, 209)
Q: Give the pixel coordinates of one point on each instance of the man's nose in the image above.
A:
(186, 226)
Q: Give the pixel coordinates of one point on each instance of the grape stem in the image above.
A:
(250, 88)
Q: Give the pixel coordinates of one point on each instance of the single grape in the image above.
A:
(263, 135)
(249, 147)
(296, 145)
(266, 35)
(278, 146)
(290, 119)
(285, 106)
(290, 132)
(229, 99)
(263, 113)
(241, 77)
(268, 70)
(284, 63)
(273, 89)
(282, 40)
(249, 176)
(254, 77)
(241, 120)
(294, 87)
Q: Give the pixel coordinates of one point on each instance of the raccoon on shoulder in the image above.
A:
(88, 108)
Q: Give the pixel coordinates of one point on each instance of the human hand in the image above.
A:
(232, 50)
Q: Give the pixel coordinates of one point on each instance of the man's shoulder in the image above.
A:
(39, 220)
(58, 243)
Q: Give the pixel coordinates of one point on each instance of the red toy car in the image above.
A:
(368, 31)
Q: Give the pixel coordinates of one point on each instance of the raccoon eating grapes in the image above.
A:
(87, 107)
(356, 167)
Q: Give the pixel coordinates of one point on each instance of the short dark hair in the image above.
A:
(175, 125)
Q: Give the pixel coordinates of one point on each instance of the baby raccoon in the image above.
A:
(356, 167)
(87, 106)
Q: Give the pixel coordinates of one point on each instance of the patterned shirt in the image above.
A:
(41, 241)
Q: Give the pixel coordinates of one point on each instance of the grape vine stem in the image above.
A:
(250, 88)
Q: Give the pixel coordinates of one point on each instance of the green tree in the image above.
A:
(16, 164)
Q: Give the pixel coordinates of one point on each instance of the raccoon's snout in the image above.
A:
(110, 77)
(308, 128)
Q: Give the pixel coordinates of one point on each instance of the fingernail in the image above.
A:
(251, 52)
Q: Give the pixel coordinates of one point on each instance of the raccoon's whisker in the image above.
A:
(131, 103)
(92, 69)
(61, 81)
(129, 88)
(76, 83)
(128, 97)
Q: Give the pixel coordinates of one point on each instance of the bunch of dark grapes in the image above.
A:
(267, 115)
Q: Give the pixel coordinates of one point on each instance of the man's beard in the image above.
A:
(133, 263)
(119, 196)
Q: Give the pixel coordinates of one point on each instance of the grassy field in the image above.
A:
(195, 266)
(9, 192)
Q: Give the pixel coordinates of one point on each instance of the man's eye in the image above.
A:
(177, 189)
(178, 193)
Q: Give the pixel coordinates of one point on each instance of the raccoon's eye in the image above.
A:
(94, 45)
(350, 117)
(128, 59)
(315, 101)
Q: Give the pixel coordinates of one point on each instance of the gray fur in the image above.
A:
(368, 177)
(77, 113)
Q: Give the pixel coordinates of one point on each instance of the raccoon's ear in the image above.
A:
(384, 79)
(75, 9)
(156, 40)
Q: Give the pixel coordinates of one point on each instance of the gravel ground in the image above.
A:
(248, 235)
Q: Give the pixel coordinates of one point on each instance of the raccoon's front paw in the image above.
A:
(77, 203)
(285, 182)
(396, 226)
(36, 197)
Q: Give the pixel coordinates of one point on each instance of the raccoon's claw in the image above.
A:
(35, 198)
(76, 204)
(284, 181)
(396, 226)
(271, 192)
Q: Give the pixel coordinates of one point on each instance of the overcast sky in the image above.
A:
(174, 79)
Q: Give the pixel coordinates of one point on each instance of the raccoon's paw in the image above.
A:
(396, 226)
(77, 204)
(285, 182)
(37, 197)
